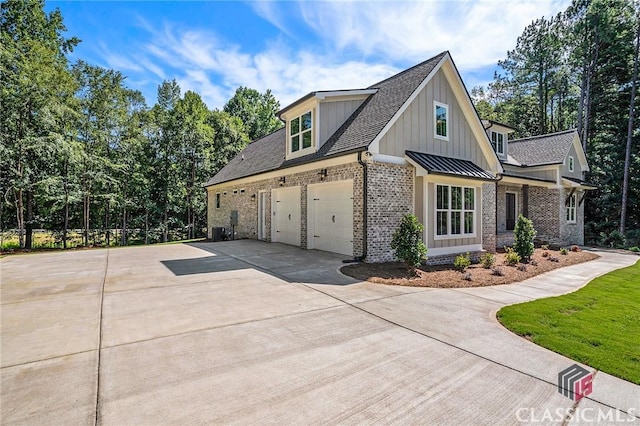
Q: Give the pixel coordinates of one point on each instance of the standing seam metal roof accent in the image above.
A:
(449, 166)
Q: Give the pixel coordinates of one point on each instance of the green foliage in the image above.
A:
(462, 262)
(564, 251)
(635, 249)
(407, 242)
(614, 240)
(256, 110)
(592, 325)
(487, 260)
(511, 257)
(523, 235)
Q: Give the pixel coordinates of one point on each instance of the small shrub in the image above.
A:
(635, 249)
(407, 242)
(523, 235)
(462, 262)
(564, 251)
(614, 240)
(545, 247)
(497, 271)
(511, 258)
(553, 259)
(488, 260)
(575, 249)
(545, 254)
(522, 267)
(467, 277)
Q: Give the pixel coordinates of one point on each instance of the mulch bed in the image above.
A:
(445, 276)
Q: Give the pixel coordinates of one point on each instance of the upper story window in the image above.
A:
(300, 132)
(441, 119)
(571, 165)
(497, 140)
(217, 200)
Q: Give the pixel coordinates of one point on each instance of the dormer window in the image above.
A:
(571, 165)
(497, 140)
(300, 132)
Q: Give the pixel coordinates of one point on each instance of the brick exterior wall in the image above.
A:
(390, 198)
(248, 208)
(489, 217)
(572, 233)
(501, 215)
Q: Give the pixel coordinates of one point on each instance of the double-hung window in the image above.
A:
(300, 132)
(497, 140)
(571, 208)
(455, 211)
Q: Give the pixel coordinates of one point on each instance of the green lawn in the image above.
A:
(598, 325)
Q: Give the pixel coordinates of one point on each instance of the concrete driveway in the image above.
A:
(248, 332)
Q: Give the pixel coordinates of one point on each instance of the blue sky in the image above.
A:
(291, 47)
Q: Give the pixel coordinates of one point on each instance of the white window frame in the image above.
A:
(449, 211)
(437, 104)
(499, 152)
(218, 200)
(311, 130)
(571, 165)
(571, 209)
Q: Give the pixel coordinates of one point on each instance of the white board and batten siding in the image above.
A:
(334, 114)
(414, 129)
(330, 217)
(286, 215)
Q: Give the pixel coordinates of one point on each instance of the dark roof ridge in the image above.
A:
(378, 84)
(546, 135)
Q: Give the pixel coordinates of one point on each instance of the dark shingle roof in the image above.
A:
(360, 129)
(437, 164)
(544, 149)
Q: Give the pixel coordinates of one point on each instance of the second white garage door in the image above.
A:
(330, 216)
(285, 215)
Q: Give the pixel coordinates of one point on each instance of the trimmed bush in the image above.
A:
(523, 235)
(462, 262)
(635, 249)
(564, 251)
(488, 260)
(407, 242)
(511, 258)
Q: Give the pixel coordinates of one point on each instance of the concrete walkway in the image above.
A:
(249, 332)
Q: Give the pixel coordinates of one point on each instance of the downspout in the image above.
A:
(365, 187)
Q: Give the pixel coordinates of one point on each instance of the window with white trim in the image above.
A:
(497, 140)
(441, 120)
(300, 132)
(455, 211)
(571, 164)
(571, 208)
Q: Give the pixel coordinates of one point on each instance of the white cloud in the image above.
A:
(478, 33)
(215, 69)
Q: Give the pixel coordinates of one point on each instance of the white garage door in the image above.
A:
(330, 218)
(285, 215)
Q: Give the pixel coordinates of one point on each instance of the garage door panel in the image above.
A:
(286, 215)
(331, 216)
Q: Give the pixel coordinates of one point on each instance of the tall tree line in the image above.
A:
(81, 150)
(579, 70)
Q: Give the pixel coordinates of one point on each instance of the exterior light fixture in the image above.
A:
(282, 180)
(253, 197)
(323, 174)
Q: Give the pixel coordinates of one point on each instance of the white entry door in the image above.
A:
(285, 215)
(330, 216)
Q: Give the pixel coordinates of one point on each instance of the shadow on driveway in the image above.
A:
(288, 263)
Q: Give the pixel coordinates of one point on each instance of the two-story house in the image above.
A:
(349, 164)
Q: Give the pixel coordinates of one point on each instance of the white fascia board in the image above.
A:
(439, 251)
(525, 181)
(391, 159)
(374, 146)
(338, 93)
